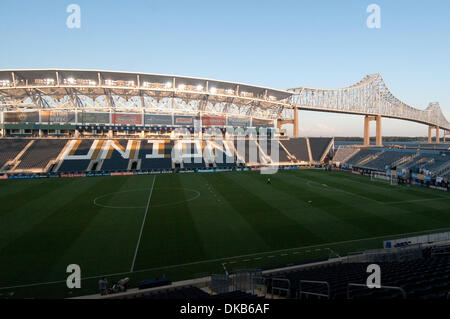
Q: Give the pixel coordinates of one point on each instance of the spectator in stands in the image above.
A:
(102, 285)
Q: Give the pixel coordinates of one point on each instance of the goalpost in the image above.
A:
(382, 176)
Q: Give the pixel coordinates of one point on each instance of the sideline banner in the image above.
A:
(122, 174)
(72, 175)
(98, 174)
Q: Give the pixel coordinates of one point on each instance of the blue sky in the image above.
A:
(279, 44)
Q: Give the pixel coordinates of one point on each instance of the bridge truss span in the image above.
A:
(370, 97)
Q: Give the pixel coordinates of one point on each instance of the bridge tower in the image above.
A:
(293, 121)
(430, 133)
(379, 137)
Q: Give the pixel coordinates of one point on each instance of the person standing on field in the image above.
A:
(102, 285)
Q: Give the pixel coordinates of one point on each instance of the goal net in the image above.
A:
(390, 178)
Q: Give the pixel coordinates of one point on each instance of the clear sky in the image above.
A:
(279, 44)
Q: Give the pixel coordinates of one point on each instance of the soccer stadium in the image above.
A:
(171, 187)
(221, 158)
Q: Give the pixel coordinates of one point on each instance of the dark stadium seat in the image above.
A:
(385, 159)
(361, 155)
(251, 153)
(283, 157)
(10, 148)
(318, 146)
(155, 163)
(298, 148)
(72, 166)
(185, 293)
(235, 295)
(116, 162)
(40, 153)
(423, 278)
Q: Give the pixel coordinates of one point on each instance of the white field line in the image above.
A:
(419, 189)
(309, 183)
(143, 223)
(231, 257)
(418, 200)
(197, 195)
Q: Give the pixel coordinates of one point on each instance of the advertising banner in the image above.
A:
(127, 118)
(158, 119)
(238, 121)
(122, 173)
(57, 117)
(93, 118)
(184, 120)
(97, 174)
(214, 120)
(262, 123)
(21, 117)
(423, 239)
(73, 175)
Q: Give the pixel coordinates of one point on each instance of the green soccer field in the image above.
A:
(189, 225)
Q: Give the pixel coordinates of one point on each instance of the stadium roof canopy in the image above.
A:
(123, 90)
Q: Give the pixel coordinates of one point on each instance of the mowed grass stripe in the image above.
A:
(361, 213)
(417, 212)
(422, 202)
(277, 229)
(354, 210)
(23, 211)
(169, 236)
(223, 230)
(109, 241)
(12, 187)
(310, 207)
(240, 215)
(394, 214)
(369, 191)
(35, 252)
(402, 190)
(19, 195)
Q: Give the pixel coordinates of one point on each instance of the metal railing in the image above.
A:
(310, 293)
(402, 291)
(281, 289)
